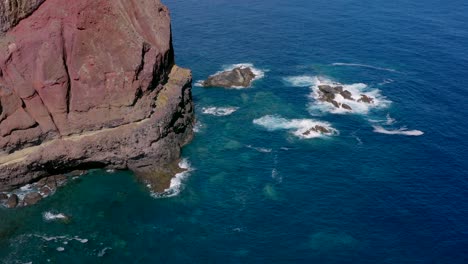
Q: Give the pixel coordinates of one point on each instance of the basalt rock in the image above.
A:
(366, 99)
(317, 128)
(32, 198)
(237, 77)
(89, 84)
(12, 201)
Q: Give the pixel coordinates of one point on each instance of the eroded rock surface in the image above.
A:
(237, 77)
(328, 93)
(89, 84)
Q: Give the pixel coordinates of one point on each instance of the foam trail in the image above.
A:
(400, 131)
(356, 90)
(300, 81)
(298, 127)
(49, 216)
(363, 66)
(219, 111)
(263, 150)
(197, 128)
(390, 120)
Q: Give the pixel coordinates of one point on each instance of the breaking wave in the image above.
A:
(219, 111)
(49, 216)
(401, 131)
(263, 150)
(300, 81)
(176, 185)
(356, 90)
(301, 128)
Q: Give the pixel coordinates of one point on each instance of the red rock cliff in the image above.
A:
(89, 83)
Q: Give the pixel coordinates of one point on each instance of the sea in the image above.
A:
(388, 184)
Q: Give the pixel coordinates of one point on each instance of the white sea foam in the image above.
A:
(300, 81)
(103, 251)
(363, 66)
(198, 127)
(60, 249)
(49, 216)
(401, 131)
(177, 182)
(259, 73)
(298, 127)
(62, 239)
(263, 150)
(356, 90)
(219, 111)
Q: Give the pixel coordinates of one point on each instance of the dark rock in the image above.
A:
(322, 129)
(326, 89)
(335, 103)
(60, 180)
(317, 128)
(366, 99)
(347, 95)
(45, 191)
(237, 77)
(347, 107)
(338, 89)
(12, 201)
(3, 197)
(32, 198)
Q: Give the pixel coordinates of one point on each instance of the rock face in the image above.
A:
(237, 77)
(89, 84)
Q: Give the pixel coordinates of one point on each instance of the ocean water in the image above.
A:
(389, 185)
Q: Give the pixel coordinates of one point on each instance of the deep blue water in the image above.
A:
(258, 195)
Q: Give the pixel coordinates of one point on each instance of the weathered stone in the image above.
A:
(366, 99)
(3, 197)
(32, 198)
(347, 107)
(237, 77)
(12, 201)
(335, 103)
(322, 129)
(45, 191)
(347, 95)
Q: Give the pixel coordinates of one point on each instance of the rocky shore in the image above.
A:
(88, 84)
(328, 93)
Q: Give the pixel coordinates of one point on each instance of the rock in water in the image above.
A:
(366, 99)
(237, 77)
(12, 201)
(89, 84)
(347, 107)
(32, 198)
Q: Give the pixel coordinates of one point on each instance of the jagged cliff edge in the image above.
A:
(90, 84)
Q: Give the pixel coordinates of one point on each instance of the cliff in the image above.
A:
(89, 84)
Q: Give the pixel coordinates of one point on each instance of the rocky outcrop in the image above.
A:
(237, 77)
(89, 84)
(327, 93)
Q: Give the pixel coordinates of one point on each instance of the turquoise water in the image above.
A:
(257, 192)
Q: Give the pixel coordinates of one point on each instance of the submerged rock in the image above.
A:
(237, 77)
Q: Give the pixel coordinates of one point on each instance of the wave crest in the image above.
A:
(301, 128)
